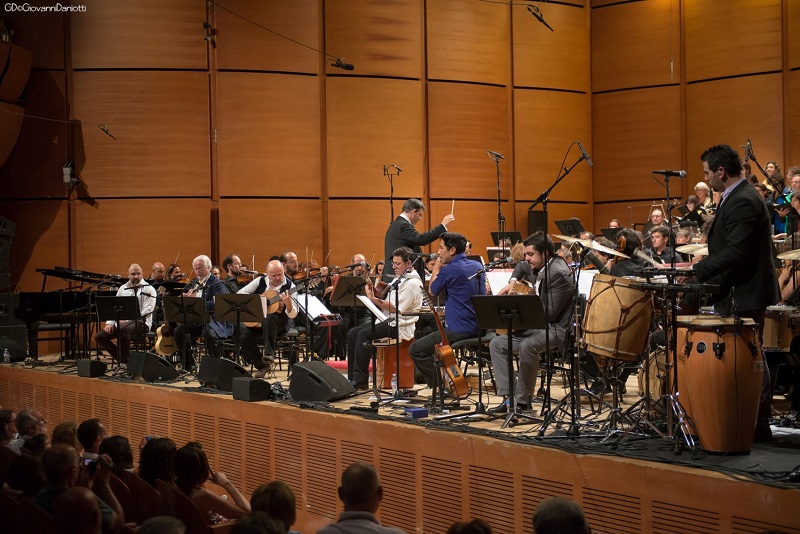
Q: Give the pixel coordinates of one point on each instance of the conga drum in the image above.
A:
(682, 352)
(617, 320)
(781, 324)
(722, 373)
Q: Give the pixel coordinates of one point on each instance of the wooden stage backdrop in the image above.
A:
(432, 478)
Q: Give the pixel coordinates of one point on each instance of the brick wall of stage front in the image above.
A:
(431, 478)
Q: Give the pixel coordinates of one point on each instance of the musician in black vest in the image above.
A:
(401, 233)
(205, 286)
(740, 254)
(275, 324)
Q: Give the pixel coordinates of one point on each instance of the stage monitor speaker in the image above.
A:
(151, 367)
(537, 220)
(7, 228)
(91, 368)
(15, 339)
(317, 381)
(218, 373)
(251, 389)
(9, 303)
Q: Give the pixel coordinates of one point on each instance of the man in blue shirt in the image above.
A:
(450, 274)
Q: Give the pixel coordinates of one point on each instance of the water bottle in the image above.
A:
(394, 381)
(6, 356)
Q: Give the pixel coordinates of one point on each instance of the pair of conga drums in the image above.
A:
(719, 359)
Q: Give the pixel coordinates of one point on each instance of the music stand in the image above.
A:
(186, 310)
(611, 233)
(514, 236)
(570, 227)
(235, 308)
(118, 309)
(347, 289)
(512, 312)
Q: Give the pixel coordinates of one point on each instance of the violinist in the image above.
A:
(522, 271)
(232, 265)
(628, 241)
(216, 271)
(377, 271)
(275, 284)
(205, 286)
(290, 265)
(174, 272)
(409, 297)
(362, 315)
(156, 273)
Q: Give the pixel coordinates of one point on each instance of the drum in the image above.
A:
(653, 376)
(720, 368)
(617, 319)
(781, 324)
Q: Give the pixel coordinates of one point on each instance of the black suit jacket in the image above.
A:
(401, 233)
(740, 253)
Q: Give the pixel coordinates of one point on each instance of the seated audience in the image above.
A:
(162, 524)
(155, 461)
(66, 433)
(557, 515)
(275, 499)
(361, 492)
(8, 432)
(118, 448)
(76, 511)
(257, 523)
(476, 526)
(191, 473)
(26, 474)
(90, 434)
(36, 445)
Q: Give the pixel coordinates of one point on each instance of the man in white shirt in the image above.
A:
(128, 329)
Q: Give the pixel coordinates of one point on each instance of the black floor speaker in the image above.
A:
(151, 367)
(219, 373)
(251, 389)
(316, 381)
(91, 368)
(15, 339)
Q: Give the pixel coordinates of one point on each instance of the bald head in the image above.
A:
(60, 466)
(77, 511)
(361, 488)
(557, 515)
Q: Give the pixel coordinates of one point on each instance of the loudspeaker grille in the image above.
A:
(256, 456)
(229, 456)
(180, 427)
(442, 504)
(397, 469)
(322, 476)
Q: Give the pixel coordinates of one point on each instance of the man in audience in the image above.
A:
(61, 467)
(277, 501)
(90, 434)
(162, 524)
(557, 515)
(361, 492)
(29, 423)
(76, 511)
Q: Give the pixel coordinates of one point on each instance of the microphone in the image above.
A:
(354, 265)
(399, 170)
(679, 174)
(246, 271)
(424, 255)
(504, 261)
(585, 155)
(339, 64)
(494, 155)
(534, 10)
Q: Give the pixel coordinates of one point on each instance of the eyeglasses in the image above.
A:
(398, 263)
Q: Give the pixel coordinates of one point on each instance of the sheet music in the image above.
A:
(315, 306)
(498, 279)
(374, 309)
(585, 281)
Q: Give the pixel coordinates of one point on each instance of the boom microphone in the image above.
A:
(679, 174)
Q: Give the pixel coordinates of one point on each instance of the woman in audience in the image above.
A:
(191, 473)
(9, 427)
(66, 433)
(155, 461)
(118, 448)
(275, 499)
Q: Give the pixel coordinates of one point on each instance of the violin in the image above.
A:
(245, 276)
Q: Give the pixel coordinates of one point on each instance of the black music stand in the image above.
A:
(512, 312)
(611, 233)
(570, 227)
(514, 236)
(348, 288)
(118, 309)
(186, 310)
(235, 308)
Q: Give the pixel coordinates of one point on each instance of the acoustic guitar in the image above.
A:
(452, 378)
(165, 344)
(273, 303)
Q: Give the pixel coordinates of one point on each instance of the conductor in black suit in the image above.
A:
(740, 254)
(401, 233)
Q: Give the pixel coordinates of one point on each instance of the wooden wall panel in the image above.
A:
(558, 59)
(636, 45)
(33, 168)
(243, 45)
(556, 211)
(11, 117)
(475, 220)
(372, 123)
(635, 132)
(709, 103)
(41, 241)
(793, 38)
(40, 32)
(468, 41)
(266, 227)
(160, 120)
(145, 34)
(359, 226)
(269, 135)
(116, 232)
(379, 38)
(792, 133)
(712, 53)
(464, 121)
(545, 124)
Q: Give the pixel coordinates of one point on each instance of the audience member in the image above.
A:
(557, 515)
(275, 499)
(257, 523)
(476, 526)
(162, 524)
(155, 461)
(26, 474)
(31, 422)
(361, 492)
(76, 511)
(61, 467)
(8, 420)
(192, 471)
(90, 434)
(36, 445)
(118, 448)
(66, 433)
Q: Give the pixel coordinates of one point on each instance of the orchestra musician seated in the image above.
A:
(661, 249)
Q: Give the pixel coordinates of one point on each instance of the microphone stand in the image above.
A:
(544, 198)
(387, 172)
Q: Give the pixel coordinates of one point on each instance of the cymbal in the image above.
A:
(698, 249)
(791, 255)
(594, 245)
(570, 239)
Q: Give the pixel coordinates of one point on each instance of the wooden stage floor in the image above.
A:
(436, 472)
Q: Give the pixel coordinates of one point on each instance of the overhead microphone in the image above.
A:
(494, 155)
(399, 170)
(339, 64)
(536, 12)
(585, 155)
(679, 174)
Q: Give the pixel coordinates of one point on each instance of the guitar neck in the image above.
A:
(439, 324)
